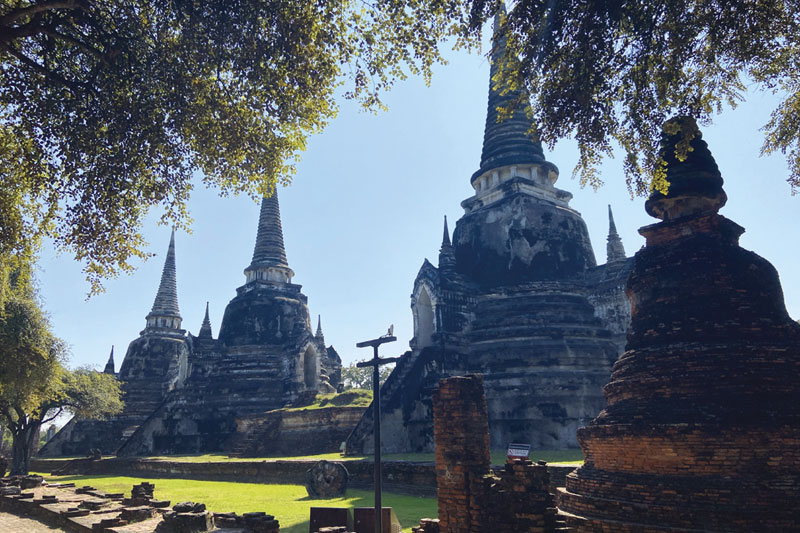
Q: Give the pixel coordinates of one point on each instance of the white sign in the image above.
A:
(519, 450)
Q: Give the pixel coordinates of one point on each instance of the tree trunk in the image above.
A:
(21, 449)
(35, 438)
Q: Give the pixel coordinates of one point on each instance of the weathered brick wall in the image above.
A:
(461, 433)
(518, 499)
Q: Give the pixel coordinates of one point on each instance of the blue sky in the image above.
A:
(366, 208)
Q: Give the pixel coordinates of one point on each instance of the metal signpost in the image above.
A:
(376, 362)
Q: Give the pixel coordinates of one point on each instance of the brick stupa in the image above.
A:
(702, 427)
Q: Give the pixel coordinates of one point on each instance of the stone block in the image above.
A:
(137, 514)
(175, 522)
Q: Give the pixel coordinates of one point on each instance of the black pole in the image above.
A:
(375, 363)
(376, 402)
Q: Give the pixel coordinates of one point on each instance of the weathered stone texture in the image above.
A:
(327, 479)
(155, 364)
(521, 238)
(293, 432)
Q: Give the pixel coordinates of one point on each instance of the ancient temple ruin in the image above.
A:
(183, 393)
(517, 296)
(702, 426)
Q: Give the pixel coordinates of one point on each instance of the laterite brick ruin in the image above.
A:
(472, 498)
(702, 427)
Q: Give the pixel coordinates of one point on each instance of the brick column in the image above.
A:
(461, 434)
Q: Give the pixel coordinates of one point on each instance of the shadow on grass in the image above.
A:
(289, 503)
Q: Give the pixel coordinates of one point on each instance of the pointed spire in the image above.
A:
(614, 249)
(447, 257)
(109, 369)
(205, 328)
(165, 312)
(694, 184)
(507, 142)
(319, 334)
(269, 255)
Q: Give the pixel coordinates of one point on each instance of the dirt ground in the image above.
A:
(10, 523)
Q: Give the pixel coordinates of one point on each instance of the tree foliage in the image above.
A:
(614, 72)
(35, 387)
(354, 377)
(107, 109)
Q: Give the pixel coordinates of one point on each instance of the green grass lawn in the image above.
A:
(498, 457)
(222, 458)
(348, 398)
(289, 503)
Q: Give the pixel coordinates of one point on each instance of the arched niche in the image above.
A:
(424, 318)
(309, 368)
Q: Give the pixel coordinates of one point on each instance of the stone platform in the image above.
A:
(66, 507)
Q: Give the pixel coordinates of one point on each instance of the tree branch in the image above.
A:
(39, 68)
(10, 424)
(26, 30)
(77, 42)
(46, 420)
(22, 418)
(20, 12)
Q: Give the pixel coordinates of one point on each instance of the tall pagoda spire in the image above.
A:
(165, 312)
(205, 328)
(447, 257)
(109, 369)
(508, 141)
(269, 256)
(319, 334)
(614, 249)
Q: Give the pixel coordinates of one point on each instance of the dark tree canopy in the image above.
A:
(614, 72)
(107, 109)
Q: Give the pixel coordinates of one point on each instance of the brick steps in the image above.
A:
(582, 524)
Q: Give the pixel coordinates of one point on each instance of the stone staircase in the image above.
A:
(393, 390)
